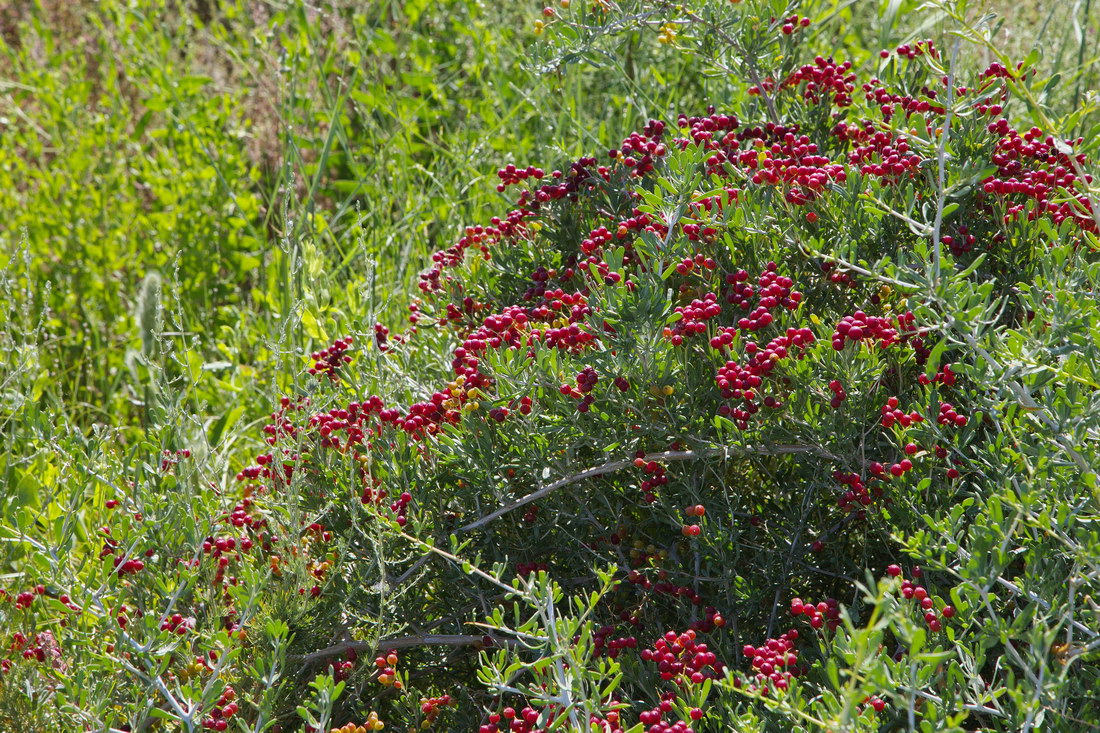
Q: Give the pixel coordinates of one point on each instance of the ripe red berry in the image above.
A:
(893, 571)
(948, 611)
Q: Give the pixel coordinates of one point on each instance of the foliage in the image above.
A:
(778, 413)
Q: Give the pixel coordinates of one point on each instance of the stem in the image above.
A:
(941, 159)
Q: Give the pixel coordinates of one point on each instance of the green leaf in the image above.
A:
(312, 326)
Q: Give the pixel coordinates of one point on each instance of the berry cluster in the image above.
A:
(328, 361)
(892, 414)
(740, 382)
(918, 593)
(612, 647)
(372, 723)
(654, 719)
(839, 395)
(387, 670)
(859, 327)
(823, 80)
(169, 460)
(680, 657)
(657, 476)
(793, 23)
(431, 707)
(224, 709)
(775, 661)
(586, 381)
(857, 496)
(693, 530)
(693, 319)
(44, 650)
(948, 416)
(826, 613)
(177, 624)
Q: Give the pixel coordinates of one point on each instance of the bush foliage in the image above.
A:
(762, 393)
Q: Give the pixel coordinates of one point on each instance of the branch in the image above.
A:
(402, 642)
(667, 456)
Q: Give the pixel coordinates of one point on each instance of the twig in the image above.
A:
(667, 456)
(972, 707)
(409, 573)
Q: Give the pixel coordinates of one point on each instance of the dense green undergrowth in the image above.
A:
(782, 416)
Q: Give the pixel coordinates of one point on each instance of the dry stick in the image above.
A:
(667, 456)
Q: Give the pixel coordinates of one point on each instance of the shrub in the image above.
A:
(777, 415)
